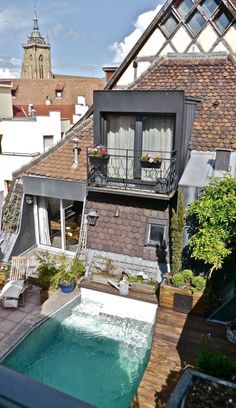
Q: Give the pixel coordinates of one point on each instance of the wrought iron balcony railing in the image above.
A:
(123, 168)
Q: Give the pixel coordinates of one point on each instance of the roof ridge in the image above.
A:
(197, 55)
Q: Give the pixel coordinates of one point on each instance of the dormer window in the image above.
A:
(58, 93)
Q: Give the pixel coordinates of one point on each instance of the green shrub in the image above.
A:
(213, 363)
(178, 280)
(187, 275)
(68, 270)
(46, 269)
(199, 283)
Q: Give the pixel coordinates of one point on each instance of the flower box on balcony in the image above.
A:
(146, 164)
(99, 161)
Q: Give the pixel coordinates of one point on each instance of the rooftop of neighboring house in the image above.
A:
(209, 78)
(67, 111)
(59, 90)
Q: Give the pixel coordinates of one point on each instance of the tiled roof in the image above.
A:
(36, 91)
(67, 111)
(57, 162)
(211, 80)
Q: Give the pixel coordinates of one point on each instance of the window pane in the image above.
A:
(196, 22)
(209, 6)
(120, 144)
(222, 21)
(170, 25)
(184, 7)
(157, 233)
(47, 142)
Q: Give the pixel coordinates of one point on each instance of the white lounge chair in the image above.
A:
(12, 291)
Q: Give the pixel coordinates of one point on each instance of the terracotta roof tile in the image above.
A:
(67, 111)
(36, 91)
(211, 80)
(57, 163)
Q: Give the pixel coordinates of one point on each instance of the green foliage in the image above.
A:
(139, 279)
(177, 279)
(212, 221)
(187, 275)
(214, 363)
(199, 283)
(177, 231)
(53, 269)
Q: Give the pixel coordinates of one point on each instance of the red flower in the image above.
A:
(103, 151)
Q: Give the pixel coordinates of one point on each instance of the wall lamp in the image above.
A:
(29, 199)
(92, 217)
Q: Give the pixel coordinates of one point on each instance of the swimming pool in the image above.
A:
(95, 349)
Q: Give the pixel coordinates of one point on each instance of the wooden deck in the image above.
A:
(177, 340)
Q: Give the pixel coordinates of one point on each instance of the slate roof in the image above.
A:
(36, 91)
(213, 80)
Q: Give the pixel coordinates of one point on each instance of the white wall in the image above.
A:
(25, 137)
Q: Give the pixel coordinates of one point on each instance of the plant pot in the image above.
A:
(146, 164)
(67, 287)
(231, 335)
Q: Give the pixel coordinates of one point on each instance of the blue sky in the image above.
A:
(84, 34)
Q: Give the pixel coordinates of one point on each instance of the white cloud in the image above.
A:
(9, 67)
(122, 48)
(57, 28)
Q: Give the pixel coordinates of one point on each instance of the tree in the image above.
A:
(212, 223)
(177, 234)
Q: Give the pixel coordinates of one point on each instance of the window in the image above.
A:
(209, 6)
(184, 7)
(41, 67)
(196, 22)
(128, 137)
(156, 232)
(222, 20)
(169, 25)
(58, 93)
(47, 142)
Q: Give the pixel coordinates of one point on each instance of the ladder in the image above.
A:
(82, 245)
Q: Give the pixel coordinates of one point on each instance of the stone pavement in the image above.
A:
(17, 323)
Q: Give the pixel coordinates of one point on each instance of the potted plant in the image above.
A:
(98, 159)
(68, 271)
(231, 331)
(150, 162)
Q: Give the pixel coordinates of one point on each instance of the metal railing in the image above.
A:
(123, 168)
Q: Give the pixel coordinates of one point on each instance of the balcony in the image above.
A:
(123, 169)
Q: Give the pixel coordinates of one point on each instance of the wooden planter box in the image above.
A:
(177, 299)
(138, 287)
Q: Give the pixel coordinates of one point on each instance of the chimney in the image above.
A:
(109, 71)
(222, 159)
(76, 151)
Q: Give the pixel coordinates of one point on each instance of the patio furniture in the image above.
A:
(19, 268)
(13, 292)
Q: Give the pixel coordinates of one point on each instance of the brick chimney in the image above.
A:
(109, 71)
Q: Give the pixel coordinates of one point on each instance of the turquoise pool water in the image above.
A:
(90, 355)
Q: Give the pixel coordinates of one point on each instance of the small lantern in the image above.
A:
(92, 217)
(29, 199)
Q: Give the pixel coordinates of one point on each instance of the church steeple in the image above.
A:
(37, 55)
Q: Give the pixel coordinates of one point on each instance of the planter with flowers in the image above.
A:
(150, 162)
(98, 159)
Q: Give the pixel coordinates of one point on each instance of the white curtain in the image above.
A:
(120, 142)
(158, 135)
(44, 235)
(157, 141)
